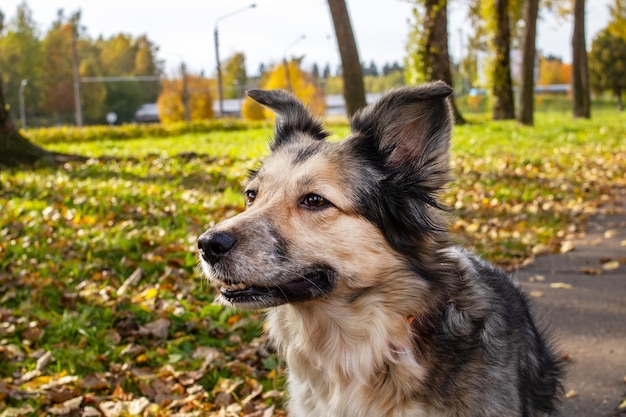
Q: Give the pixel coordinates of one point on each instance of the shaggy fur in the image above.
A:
(375, 311)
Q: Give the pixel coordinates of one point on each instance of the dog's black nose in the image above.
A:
(214, 246)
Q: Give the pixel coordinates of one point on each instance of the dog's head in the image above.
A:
(336, 219)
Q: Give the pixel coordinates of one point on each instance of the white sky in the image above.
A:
(183, 29)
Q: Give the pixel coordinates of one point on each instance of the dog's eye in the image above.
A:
(314, 201)
(250, 196)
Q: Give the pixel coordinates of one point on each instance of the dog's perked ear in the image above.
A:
(409, 129)
(291, 116)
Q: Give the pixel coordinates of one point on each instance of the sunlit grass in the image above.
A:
(71, 236)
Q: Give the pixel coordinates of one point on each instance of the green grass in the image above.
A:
(70, 237)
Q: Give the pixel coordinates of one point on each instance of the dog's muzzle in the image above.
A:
(213, 247)
(271, 285)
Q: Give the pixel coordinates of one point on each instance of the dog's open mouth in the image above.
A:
(310, 285)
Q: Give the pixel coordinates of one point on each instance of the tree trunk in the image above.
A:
(353, 88)
(527, 87)
(580, 69)
(15, 149)
(503, 107)
(436, 34)
(620, 103)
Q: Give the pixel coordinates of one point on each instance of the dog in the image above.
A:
(375, 311)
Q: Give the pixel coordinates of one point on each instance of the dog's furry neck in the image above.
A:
(350, 350)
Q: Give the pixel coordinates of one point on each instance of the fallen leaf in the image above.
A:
(622, 405)
(623, 243)
(540, 249)
(158, 328)
(17, 412)
(590, 271)
(567, 246)
(131, 281)
(111, 408)
(539, 278)
(610, 266)
(43, 361)
(608, 234)
(536, 294)
(560, 285)
(66, 407)
(136, 406)
(571, 394)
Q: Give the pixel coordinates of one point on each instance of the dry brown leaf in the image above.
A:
(623, 243)
(608, 234)
(590, 271)
(536, 294)
(537, 277)
(158, 328)
(571, 394)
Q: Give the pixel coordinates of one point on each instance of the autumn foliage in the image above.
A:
(170, 101)
(295, 80)
(554, 71)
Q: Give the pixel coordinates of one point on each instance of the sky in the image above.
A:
(184, 29)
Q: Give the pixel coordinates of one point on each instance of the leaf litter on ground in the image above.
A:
(103, 312)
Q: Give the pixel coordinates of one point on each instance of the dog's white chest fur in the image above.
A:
(340, 368)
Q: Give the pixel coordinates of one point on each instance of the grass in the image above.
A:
(71, 237)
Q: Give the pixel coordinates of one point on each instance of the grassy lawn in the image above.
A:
(101, 306)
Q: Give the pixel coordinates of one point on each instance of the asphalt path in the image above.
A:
(581, 296)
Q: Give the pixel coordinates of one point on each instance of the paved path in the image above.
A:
(588, 319)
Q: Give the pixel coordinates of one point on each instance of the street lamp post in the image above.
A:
(22, 104)
(286, 64)
(220, 91)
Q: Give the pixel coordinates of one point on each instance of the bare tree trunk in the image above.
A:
(503, 106)
(15, 149)
(527, 88)
(353, 88)
(436, 34)
(580, 69)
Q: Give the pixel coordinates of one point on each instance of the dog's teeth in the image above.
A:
(235, 287)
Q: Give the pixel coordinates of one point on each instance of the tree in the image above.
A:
(170, 101)
(503, 103)
(527, 86)
(21, 59)
(580, 70)
(428, 58)
(353, 88)
(235, 77)
(302, 86)
(552, 70)
(617, 26)
(15, 149)
(58, 78)
(607, 64)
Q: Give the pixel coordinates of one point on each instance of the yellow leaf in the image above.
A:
(540, 249)
(610, 266)
(571, 394)
(610, 233)
(141, 358)
(560, 285)
(567, 246)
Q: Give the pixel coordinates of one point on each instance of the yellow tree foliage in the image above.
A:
(299, 82)
(553, 71)
(170, 101)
